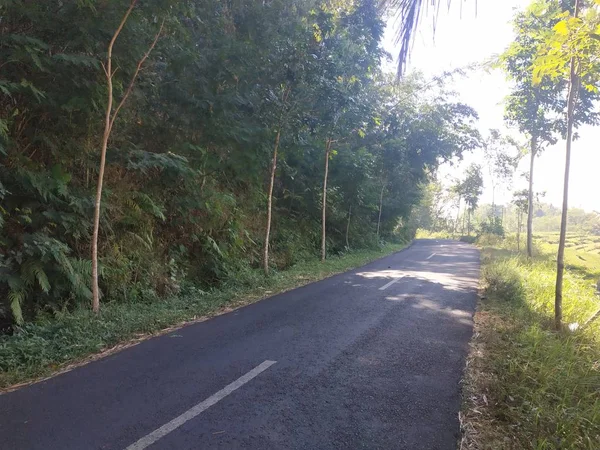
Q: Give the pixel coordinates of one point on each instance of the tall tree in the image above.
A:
(472, 188)
(569, 53)
(531, 107)
(502, 156)
(520, 200)
(109, 122)
(536, 103)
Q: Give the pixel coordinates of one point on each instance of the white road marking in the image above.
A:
(199, 408)
(431, 256)
(383, 288)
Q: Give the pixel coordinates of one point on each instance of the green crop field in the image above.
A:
(582, 252)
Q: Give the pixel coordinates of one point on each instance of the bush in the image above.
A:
(503, 281)
(492, 225)
(489, 240)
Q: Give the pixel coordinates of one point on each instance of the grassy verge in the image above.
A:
(526, 386)
(42, 348)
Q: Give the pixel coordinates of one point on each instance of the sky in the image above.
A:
(478, 33)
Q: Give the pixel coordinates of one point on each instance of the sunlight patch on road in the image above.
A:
(382, 274)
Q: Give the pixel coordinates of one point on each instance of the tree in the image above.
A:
(531, 107)
(535, 104)
(569, 53)
(520, 200)
(500, 162)
(471, 189)
(108, 125)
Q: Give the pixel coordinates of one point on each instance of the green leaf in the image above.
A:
(16, 298)
(561, 28)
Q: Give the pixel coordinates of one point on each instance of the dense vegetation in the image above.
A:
(189, 159)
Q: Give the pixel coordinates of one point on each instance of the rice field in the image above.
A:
(582, 252)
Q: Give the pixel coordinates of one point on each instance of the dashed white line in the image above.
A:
(383, 288)
(199, 408)
(431, 256)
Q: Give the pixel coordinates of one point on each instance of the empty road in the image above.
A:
(368, 359)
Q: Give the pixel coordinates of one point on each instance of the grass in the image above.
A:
(53, 344)
(527, 386)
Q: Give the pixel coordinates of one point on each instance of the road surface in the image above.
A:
(368, 359)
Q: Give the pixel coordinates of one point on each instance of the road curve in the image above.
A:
(371, 359)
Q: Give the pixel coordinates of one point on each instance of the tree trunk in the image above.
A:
(457, 224)
(519, 231)
(380, 208)
(530, 198)
(560, 258)
(348, 227)
(270, 201)
(469, 222)
(324, 210)
(109, 121)
(105, 137)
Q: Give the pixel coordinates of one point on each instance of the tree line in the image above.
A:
(152, 146)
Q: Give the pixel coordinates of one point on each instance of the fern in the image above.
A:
(42, 279)
(147, 242)
(16, 298)
(148, 205)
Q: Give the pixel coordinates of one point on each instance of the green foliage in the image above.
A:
(492, 225)
(184, 189)
(534, 63)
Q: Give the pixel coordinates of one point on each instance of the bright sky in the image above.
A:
(475, 38)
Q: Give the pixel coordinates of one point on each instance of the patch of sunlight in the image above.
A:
(391, 274)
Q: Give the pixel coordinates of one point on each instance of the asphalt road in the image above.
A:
(371, 358)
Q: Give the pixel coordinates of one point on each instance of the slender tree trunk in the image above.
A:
(324, 210)
(519, 231)
(560, 258)
(109, 121)
(380, 209)
(533, 151)
(270, 201)
(348, 227)
(457, 224)
(105, 137)
(284, 98)
(469, 222)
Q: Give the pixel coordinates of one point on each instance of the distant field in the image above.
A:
(582, 252)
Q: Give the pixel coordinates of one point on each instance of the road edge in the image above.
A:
(236, 303)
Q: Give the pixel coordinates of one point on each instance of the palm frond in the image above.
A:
(409, 13)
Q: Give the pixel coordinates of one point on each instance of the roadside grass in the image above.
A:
(526, 386)
(54, 344)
